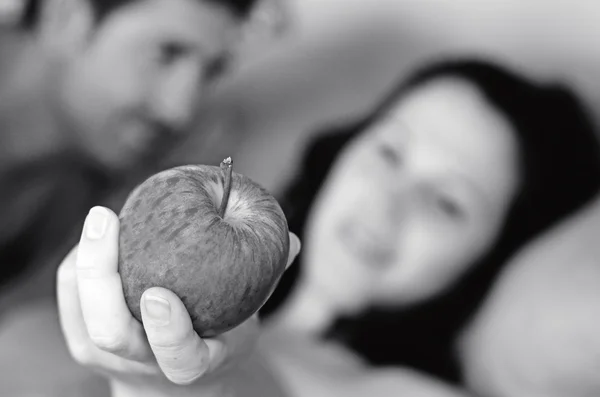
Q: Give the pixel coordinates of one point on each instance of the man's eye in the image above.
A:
(171, 52)
(217, 68)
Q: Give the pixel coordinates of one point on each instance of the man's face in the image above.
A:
(139, 78)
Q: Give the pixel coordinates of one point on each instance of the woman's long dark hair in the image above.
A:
(560, 172)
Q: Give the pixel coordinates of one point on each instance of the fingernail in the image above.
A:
(158, 310)
(96, 223)
(295, 242)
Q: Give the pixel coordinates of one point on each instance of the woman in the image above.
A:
(408, 216)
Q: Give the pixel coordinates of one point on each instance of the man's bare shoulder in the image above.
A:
(14, 43)
(24, 111)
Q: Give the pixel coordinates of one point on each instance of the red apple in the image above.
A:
(222, 254)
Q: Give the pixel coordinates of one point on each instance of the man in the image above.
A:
(91, 93)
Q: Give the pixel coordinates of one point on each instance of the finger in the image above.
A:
(109, 323)
(181, 354)
(295, 246)
(69, 311)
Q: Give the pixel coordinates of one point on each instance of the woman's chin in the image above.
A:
(342, 285)
(343, 300)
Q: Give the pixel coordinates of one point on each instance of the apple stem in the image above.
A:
(227, 167)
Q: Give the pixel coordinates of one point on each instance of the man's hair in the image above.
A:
(102, 8)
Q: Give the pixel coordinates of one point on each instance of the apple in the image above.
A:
(214, 237)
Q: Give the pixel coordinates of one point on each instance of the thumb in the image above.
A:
(181, 354)
(295, 247)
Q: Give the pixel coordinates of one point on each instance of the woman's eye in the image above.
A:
(389, 154)
(449, 207)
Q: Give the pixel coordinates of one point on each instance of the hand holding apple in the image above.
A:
(213, 237)
(156, 357)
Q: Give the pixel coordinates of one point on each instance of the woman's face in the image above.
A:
(414, 200)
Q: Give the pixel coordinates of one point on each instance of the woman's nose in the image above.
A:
(395, 203)
(386, 210)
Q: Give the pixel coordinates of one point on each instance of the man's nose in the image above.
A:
(176, 103)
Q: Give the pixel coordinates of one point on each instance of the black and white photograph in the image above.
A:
(299, 198)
